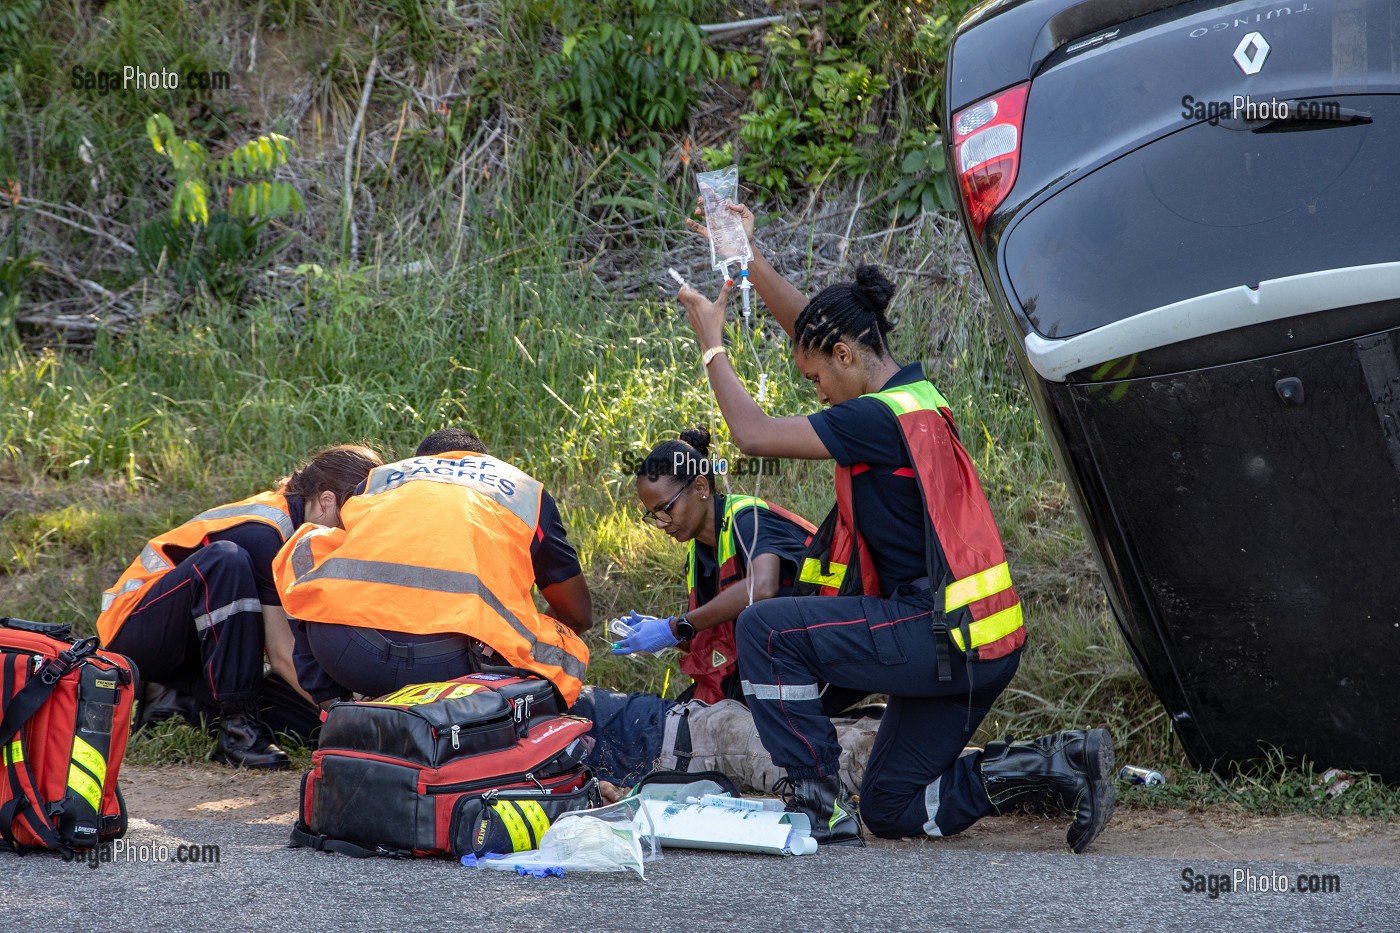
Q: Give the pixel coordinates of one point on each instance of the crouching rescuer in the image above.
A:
(431, 577)
(197, 609)
(915, 596)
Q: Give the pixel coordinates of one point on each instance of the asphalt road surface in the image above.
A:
(259, 884)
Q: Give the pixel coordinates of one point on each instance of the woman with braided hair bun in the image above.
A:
(905, 589)
(739, 549)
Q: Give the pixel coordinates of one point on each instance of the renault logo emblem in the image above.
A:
(1251, 52)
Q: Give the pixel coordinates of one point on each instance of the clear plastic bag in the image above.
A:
(728, 242)
(684, 793)
(618, 837)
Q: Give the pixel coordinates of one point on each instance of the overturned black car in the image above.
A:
(1188, 216)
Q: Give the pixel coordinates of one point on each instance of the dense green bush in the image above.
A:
(219, 251)
(628, 65)
(853, 88)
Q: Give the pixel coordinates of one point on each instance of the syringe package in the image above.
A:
(620, 628)
(728, 244)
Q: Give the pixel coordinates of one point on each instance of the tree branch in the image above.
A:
(32, 205)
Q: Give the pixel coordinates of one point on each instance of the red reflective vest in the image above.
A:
(714, 652)
(155, 560)
(979, 602)
(436, 544)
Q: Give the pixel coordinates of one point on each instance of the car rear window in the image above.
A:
(1208, 208)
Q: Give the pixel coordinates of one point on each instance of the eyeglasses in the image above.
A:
(662, 516)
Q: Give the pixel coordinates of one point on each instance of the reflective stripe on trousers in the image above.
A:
(214, 616)
(781, 691)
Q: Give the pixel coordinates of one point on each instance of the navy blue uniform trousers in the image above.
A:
(335, 660)
(628, 732)
(200, 628)
(629, 729)
(917, 779)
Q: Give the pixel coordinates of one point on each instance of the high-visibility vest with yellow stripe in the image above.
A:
(714, 652)
(436, 544)
(978, 598)
(161, 554)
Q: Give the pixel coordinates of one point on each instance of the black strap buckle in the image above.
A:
(684, 749)
(940, 641)
(58, 668)
(969, 652)
(67, 659)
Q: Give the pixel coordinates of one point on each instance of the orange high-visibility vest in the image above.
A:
(714, 653)
(982, 608)
(155, 560)
(435, 544)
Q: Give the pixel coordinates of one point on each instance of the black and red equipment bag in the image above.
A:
(483, 763)
(65, 715)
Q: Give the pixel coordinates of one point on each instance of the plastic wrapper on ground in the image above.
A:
(618, 837)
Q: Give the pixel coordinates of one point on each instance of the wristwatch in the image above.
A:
(685, 631)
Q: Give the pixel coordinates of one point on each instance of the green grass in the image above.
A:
(173, 742)
(1271, 786)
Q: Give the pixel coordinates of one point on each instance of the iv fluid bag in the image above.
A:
(728, 244)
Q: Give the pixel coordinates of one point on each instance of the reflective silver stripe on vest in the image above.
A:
(441, 581)
(781, 691)
(152, 561)
(486, 475)
(251, 510)
(303, 562)
(110, 596)
(210, 619)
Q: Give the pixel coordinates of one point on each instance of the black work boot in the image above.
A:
(160, 702)
(1068, 773)
(828, 806)
(245, 741)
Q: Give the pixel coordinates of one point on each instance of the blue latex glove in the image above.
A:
(649, 634)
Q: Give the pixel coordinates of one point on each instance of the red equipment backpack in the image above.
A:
(483, 763)
(65, 715)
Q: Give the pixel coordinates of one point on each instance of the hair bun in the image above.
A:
(875, 291)
(699, 438)
(876, 286)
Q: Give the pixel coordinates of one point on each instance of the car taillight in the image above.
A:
(986, 150)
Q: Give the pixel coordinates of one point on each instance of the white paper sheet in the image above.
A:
(730, 828)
